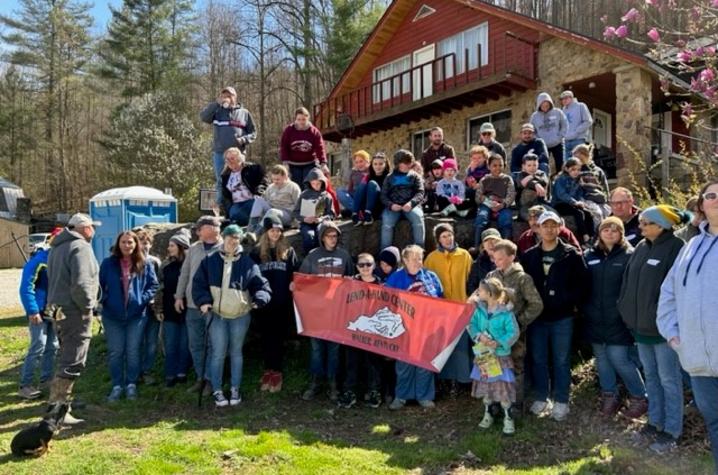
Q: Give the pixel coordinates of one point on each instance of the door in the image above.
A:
(423, 77)
(602, 128)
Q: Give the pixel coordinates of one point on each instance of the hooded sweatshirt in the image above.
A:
(233, 127)
(322, 261)
(688, 303)
(72, 273)
(302, 147)
(579, 121)
(550, 126)
(192, 260)
(400, 188)
(33, 284)
(321, 200)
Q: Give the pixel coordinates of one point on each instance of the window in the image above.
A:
(382, 91)
(468, 39)
(419, 141)
(502, 124)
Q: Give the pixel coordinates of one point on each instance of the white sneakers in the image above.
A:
(557, 411)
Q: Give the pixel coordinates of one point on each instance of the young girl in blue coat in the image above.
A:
(494, 329)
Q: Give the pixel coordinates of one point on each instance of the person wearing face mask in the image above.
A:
(232, 125)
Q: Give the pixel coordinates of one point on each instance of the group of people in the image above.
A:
(644, 292)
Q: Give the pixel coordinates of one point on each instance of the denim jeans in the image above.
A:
(413, 382)
(43, 345)
(557, 151)
(218, 161)
(345, 199)
(552, 338)
(569, 145)
(149, 343)
(310, 239)
(366, 196)
(298, 173)
(239, 212)
(324, 359)
(124, 342)
(260, 209)
(664, 386)
(705, 391)
(505, 222)
(196, 331)
(389, 219)
(227, 334)
(177, 356)
(612, 360)
(354, 360)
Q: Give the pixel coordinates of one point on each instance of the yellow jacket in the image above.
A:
(453, 269)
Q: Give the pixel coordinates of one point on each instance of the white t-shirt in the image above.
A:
(239, 190)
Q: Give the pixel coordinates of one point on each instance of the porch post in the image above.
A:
(633, 119)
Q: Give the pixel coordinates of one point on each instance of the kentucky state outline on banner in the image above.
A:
(409, 327)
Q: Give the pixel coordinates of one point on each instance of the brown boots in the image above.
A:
(637, 407)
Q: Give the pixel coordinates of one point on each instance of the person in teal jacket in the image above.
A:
(494, 329)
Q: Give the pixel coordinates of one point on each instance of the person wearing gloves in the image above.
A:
(638, 305)
(229, 284)
(687, 316)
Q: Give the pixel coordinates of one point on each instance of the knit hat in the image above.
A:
(528, 126)
(449, 163)
(612, 221)
(441, 228)
(437, 164)
(208, 220)
(232, 230)
(181, 238)
(487, 127)
(490, 233)
(665, 216)
(363, 154)
(271, 221)
(390, 255)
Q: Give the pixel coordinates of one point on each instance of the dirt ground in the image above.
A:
(9, 284)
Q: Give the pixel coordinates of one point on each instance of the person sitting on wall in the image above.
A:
(241, 183)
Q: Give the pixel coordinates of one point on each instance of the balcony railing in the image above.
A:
(509, 57)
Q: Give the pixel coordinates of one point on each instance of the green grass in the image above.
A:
(165, 433)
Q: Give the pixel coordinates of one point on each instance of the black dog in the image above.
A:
(35, 440)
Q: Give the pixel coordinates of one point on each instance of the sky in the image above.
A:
(100, 10)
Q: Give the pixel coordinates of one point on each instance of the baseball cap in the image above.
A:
(487, 127)
(490, 233)
(566, 94)
(230, 90)
(528, 126)
(208, 220)
(79, 220)
(549, 216)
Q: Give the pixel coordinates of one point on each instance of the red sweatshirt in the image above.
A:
(302, 147)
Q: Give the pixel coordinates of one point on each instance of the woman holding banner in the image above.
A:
(413, 382)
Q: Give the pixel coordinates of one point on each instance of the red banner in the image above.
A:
(409, 327)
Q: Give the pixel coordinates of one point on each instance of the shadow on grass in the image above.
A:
(9, 322)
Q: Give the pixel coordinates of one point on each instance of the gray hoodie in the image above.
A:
(320, 261)
(550, 126)
(579, 121)
(688, 302)
(323, 208)
(195, 254)
(73, 274)
(233, 127)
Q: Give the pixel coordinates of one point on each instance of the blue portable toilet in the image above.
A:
(121, 209)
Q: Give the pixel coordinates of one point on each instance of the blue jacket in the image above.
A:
(141, 291)
(245, 275)
(500, 325)
(566, 190)
(33, 284)
(403, 281)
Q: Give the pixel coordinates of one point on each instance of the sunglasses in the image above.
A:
(365, 264)
(486, 133)
(710, 196)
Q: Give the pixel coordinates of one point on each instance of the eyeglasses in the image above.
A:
(710, 196)
(365, 264)
(485, 133)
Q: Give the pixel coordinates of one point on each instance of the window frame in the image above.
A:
(488, 115)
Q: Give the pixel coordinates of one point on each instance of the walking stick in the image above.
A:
(203, 383)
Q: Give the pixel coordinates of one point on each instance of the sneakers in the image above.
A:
(539, 408)
(648, 432)
(70, 420)
(234, 397)
(453, 389)
(664, 443)
(426, 404)
(347, 400)
(509, 425)
(219, 399)
(29, 392)
(275, 382)
(560, 411)
(311, 392)
(148, 379)
(170, 382)
(115, 394)
(488, 419)
(264, 382)
(373, 399)
(463, 213)
(356, 219)
(448, 210)
(368, 218)
(637, 407)
(609, 404)
(131, 392)
(397, 404)
(181, 378)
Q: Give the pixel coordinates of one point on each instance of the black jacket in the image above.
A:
(253, 177)
(279, 275)
(604, 323)
(169, 276)
(481, 266)
(642, 281)
(564, 288)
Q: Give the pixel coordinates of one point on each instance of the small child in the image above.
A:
(494, 197)
(402, 195)
(366, 196)
(531, 185)
(314, 206)
(478, 168)
(355, 359)
(357, 176)
(450, 192)
(430, 182)
(569, 199)
(494, 329)
(593, 179)
(281, 196)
